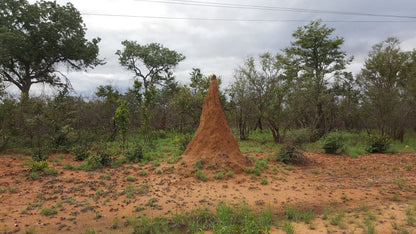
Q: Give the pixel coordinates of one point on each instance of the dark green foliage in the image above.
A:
(291, 154)
(332, 143)
(32, 43)
(81, 152)
(201, 175)
(377, 143)
(40, 154)
(135, 154)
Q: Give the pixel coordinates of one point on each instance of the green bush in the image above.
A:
(201, 175)
(48, 211)
(38, 166)
(377, 143)
(50, 171)
(332, 143)
(290, 153)
(135, 154)
(39, 154)
(182, 141)
(300, 136)
(80, 152)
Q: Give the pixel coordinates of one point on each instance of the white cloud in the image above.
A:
(220, 46)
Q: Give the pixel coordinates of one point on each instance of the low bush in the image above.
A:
(39, 154)
(81, 152)
(332, 143)
(291, 154)
(38, 166)
(135, 154)
(377, 143)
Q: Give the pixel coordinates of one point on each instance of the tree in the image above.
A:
(387, 82)
(122, 121)
(259, 94)
(36, 38)
(320, 60)
(152, 62)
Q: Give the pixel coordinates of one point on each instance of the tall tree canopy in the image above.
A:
(152, 62)
(320, 61)
(388, 85)
(36, 38)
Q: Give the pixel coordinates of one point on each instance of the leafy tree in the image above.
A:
(387, 85)
(320, 59)
(36, 38)
(122, 121)
(259, 93)
(152, 62)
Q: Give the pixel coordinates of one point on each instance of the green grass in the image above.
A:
(201, 175)
(48, 211)
(130, 178)
(299, 214)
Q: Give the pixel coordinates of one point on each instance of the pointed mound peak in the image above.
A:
(213, 140)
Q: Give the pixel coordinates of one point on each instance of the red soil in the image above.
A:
(213, 140)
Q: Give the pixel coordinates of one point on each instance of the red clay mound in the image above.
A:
(213, 140)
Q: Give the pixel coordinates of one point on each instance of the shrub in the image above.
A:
(332, 143)
(201, 175)
(199, 164)
(38, 166)
(135, 154)
(300, 136)
(106, 156)
(80, 152)
(290, 153)
(34, 176)
(48, 211)
(377, 143)
(182, 141)
(50, 171)
(39, 154)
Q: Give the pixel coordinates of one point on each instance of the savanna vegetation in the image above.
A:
(302, 98)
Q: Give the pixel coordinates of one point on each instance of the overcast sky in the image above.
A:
(220, 46)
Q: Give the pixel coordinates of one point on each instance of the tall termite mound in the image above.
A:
(213, 140)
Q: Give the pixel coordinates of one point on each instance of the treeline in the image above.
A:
(304, 86)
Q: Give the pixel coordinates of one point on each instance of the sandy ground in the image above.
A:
(383, 184)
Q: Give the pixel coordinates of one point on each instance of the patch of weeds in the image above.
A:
(130, 190)
(155, 163)
(200, 174)
(230, 174)
(135, 154)
(377, 144)
(337, 220)
(81, 152)
(199, 164)
(130, 178)
(30, 230)
(152, 202)
(332, 143)
(115, 223)
(68, 166)
(291, 154)
(399, 228)
(138, 208)
(159, 171)
(98, 215)
(219, 175)
(299, 214)
(34, 175)
(288, 227)
(50, 171)
(40, 154)
(38, 166)
(316, 171)
(142, 173)
(8, 164)
(13, 190)
(401, 183)
(264, 181)
(48, 211)
(89, 231)
(409, 167)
